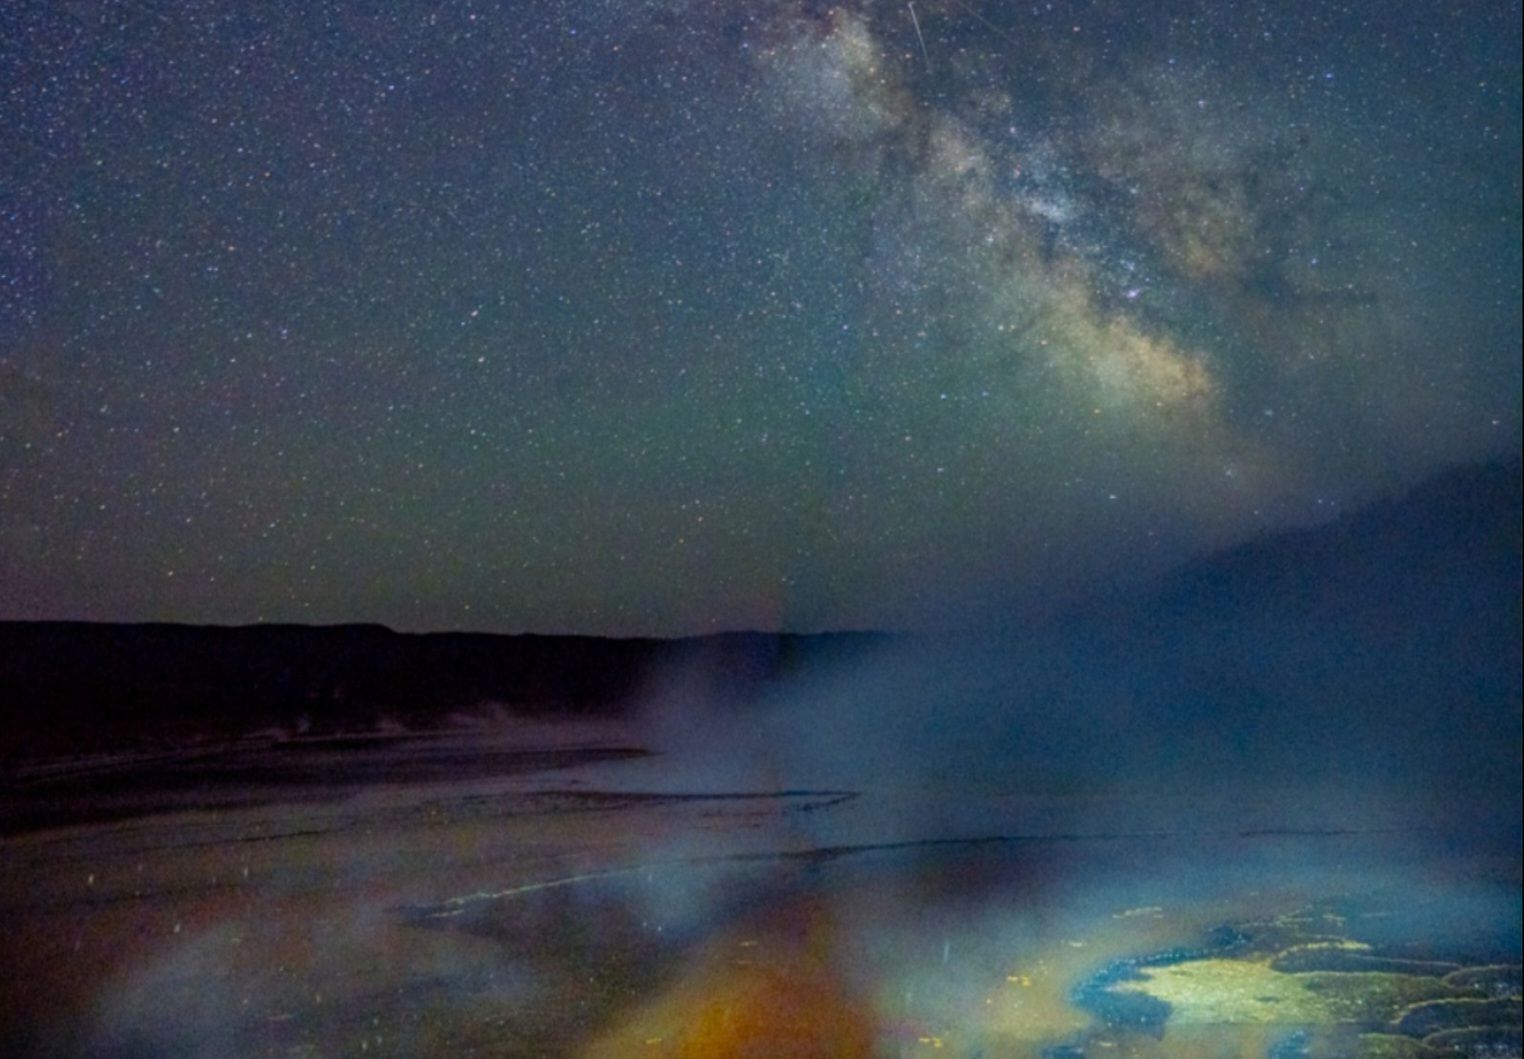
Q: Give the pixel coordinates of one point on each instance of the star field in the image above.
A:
(666, 316)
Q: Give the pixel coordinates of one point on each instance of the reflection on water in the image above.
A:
(1144, 947)
(693, 929)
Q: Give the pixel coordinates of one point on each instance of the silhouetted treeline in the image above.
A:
(77, 685)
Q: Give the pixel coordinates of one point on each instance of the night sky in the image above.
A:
(668, 316)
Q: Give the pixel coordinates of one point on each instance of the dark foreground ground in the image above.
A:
(557, 894)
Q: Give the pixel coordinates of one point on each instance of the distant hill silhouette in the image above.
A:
(1408, 610)
(1467, 521)
(80, 685)
(1383, 647)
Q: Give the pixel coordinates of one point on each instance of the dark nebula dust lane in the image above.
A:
(661, 316)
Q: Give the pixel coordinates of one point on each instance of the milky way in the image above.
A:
(668, 316)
